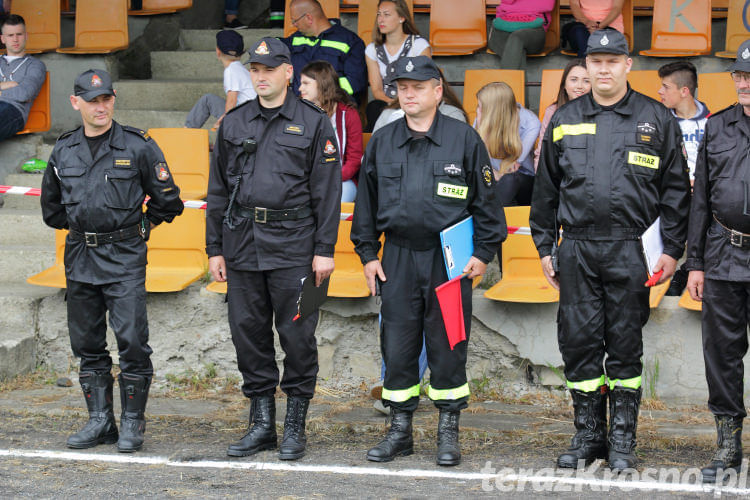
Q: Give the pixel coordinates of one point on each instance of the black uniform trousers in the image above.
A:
(257, 300)
(603, 308)
(725, 318)
(126, 303)
(409, 308)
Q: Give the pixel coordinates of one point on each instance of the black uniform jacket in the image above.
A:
(722, 181)
(296, 164)
(104, 194)
(610, 172)
(412, 198)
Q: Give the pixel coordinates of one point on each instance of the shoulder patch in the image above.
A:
(133, 130)
(314, 106)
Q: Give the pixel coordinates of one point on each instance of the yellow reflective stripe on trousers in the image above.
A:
(588, 385)
(343, 47)
(573, 129)
(401, 395)
(628, 383)
(344, 84)
(448, 394)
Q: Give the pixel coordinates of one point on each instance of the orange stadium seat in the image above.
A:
(348, 278)
(657, 293)
(40, 119)
(645, 81)
(688, 303)
(550, 85)
(457, 27)
(365, 139)
(101, 27)
(366, 18)
(523, 279)
(349, 6)
(680, 30)
(738, 27)
(54, 276)
(42, 23)
(154, 7)
(552, 38)
(186, 152)
(330, 8)
(217, 287)
(716, 90)
(475, 79)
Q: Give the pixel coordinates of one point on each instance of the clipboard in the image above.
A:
(311, 297)
(457, 243)
(652, 247)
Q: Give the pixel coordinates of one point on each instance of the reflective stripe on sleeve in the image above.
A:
(344, 84)
(343, 47)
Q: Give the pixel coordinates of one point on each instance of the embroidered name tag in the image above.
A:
(452, 191)
(122, 162)
(642, 160)
(294, 129)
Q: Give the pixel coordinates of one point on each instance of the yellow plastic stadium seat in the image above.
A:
(552, 38)
(687, 302)
(716, 90)
(365, 139)
(550, 85)
(680, 30)
(330, 8)
(645, 81)
(475, 79)
(42, 23)
(154, 7)
(657, 293)
(217, 287)
(54, 276)
(186, 152)
(366, 17)
(457, 27)
(348, 278)
(40, 119)
(738, 28)
(523, 279)
(101, 27)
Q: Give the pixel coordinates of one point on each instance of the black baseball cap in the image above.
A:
(93, 83)
(742, 63)
(230, 42)
(269, 51)
(416, 68)
(607, 41)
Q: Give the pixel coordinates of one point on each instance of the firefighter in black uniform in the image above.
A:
(717, 258)
(420, 175)
(96, 180)
(611, 163)
(273, 210)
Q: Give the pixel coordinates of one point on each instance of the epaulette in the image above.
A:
(142, 133)
(67, 134)
(314, 106)
(721, 111)
(239, 106)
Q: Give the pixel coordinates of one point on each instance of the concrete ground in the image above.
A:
(189, 428)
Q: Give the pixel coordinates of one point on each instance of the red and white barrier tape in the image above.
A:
(519, 230)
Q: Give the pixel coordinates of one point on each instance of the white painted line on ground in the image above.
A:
(595, 484)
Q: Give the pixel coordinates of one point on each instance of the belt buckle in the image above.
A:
(735, 238)
(260, 211)
(91, 240)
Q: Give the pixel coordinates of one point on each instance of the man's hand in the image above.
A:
(695, 285)
(549, 273)
(667, 264)
(218, 268)
(322, 267)
(475, 267)
(373, 269)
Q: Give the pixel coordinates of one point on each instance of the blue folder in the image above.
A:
(457, 242)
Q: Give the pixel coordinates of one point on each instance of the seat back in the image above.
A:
(627, 22)
(42, 23)
(550, 86)
(54, 276)
(166, 5)
(330, 8)
(40, 119)
(645, 81)
(738, 27)
(520, 257)
(716, 90)
(365, 139)
(457, 27)
(681, 28)
(345, 257)
(475, 79)
(186, 152)
(366, 15)
(101, 26)
(552, 38)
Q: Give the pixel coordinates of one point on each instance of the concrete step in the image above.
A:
(179, 65)
(25, 228)
(206, 39)
(146, 119)
(21, 202)
(167, 95)
(18, 262)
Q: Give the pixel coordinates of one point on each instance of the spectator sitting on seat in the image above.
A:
(237, 83)
(319, 84)
(231, 10)
(591, 15)
(320, 38)
(21, 77)
(574, 83)
(5, 7)
(394, 36)
(519, 28)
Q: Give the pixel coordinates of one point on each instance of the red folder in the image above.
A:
(449, 298)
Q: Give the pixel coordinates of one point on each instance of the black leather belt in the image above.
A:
(602, 233)
(418, 244)
(93, 240)
(263, 215)
(736, 238)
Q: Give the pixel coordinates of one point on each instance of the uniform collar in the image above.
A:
(433, 134)
(737, 115)
(623, 107)
(287, 109)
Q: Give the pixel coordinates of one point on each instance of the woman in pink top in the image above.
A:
(519, 28)
(591, 15)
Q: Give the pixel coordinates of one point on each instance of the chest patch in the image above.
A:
(642, 138)
(452, 169)
(452, 191)
(646, 128)
(294, 129)
(643, 160)
(122, 162)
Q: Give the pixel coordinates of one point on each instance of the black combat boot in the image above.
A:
(623, 421)
(398, 440)
(590, 419)
(729, 452)
(101, 427)
(261, 433)
(294, 440)
(448, 452)
(133, 398)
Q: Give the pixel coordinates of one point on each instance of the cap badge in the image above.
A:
(746, 53)
(409, 66)
(262, 49)
(604, 40)
(96, 81)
